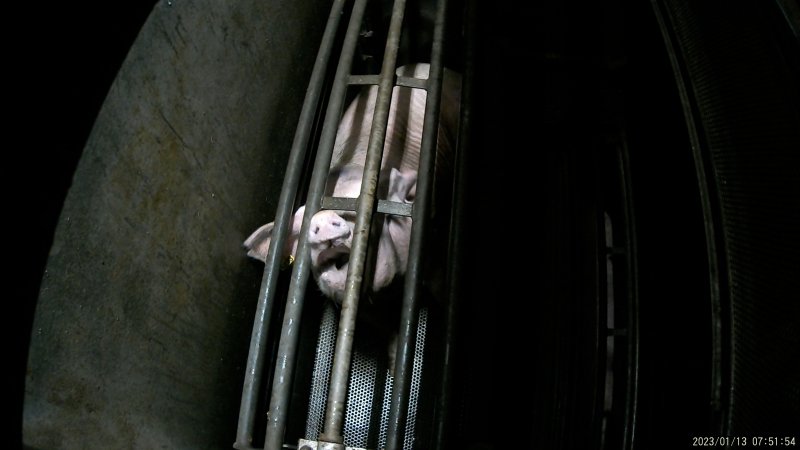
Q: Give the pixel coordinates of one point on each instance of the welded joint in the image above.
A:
(305, 444)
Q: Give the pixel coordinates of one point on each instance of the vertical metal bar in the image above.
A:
(408, 319)
(632, 297)
(457, 239)
(337, 393)
(287, 347)
(255, 358)
(721, 371)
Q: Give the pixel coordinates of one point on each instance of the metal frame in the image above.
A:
(365, 206)
(337, 391)
(721, 366)
(442, 432)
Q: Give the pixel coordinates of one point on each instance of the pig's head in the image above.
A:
(330, 235)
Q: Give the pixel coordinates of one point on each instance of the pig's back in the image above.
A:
(404, 130)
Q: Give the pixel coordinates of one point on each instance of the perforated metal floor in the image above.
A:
(370, 387)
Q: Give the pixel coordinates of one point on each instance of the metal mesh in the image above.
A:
(370, 387)
(323, 363)
(413, 398)
(368, 361)
(741, 85)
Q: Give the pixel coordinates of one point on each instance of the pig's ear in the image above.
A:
(257, 244)
(402, 185)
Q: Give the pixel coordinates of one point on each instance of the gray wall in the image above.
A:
(144, 316)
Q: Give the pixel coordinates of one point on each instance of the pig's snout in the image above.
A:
(330, 237)
(329, 228)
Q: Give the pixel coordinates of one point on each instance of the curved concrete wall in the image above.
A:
(144, 316)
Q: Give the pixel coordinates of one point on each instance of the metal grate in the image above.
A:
(370, 387)
(416, 380)
(323, 363)
(362, 392)
(739, 86)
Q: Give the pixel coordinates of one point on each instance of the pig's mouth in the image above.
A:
(341, 260)
(334, 257)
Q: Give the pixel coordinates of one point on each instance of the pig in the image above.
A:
(331, 232)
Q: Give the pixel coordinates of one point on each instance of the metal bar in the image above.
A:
(255, 358)
(604, 293)
(384, 206)
(442, 434)
(629, 437)
(411, 82)
(287, 347)
(337, 393)
(305, 444)
(409, 316)
(395, 208)
(339, 203)
(721, 367)
(361, 80)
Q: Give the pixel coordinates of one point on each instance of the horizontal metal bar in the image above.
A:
(395, 208)
(384, 206)
(361, 80)
(617, 332)
(284, 447)
(411, 82)
(306, 444)
(339, 203)
(616, 251)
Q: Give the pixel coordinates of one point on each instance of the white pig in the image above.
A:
(331, 232)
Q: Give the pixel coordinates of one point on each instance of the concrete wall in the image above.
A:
(143, 320)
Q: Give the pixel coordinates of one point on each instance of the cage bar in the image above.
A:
(287, 347)
(457, 239)
(337, 393)
(283, 217)
(408, 318)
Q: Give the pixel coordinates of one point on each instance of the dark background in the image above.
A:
(62, 61)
